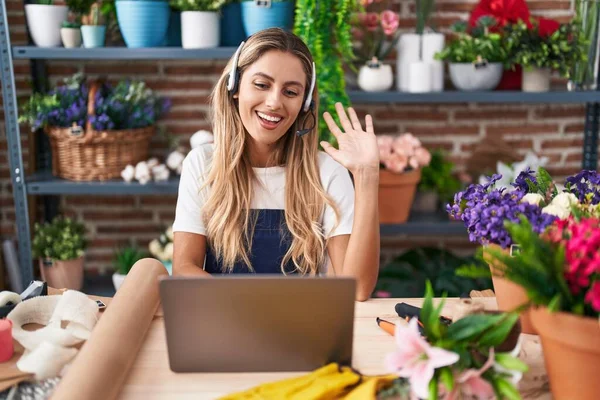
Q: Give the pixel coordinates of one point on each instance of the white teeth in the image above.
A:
(268, 117)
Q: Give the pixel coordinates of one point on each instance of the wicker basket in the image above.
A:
(96, 155)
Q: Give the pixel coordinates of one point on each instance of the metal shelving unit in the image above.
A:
(44, 184)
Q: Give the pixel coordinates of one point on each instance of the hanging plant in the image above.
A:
(324, 25)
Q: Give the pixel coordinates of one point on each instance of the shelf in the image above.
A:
(46, 184)
(438, 224)
(121, 53)
(452, 96)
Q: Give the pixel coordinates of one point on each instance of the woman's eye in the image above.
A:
(260, 85)
(291, 93)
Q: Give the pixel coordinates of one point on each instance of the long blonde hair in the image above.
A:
(227, 217)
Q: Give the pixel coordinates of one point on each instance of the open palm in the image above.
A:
(357, 147)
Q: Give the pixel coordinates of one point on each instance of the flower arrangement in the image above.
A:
(59, 240)
(197, 5)
(162, 248)
(402, 153)
(475, 45)
(510, 172)
(128, 105)
(558, 50)
(376, 31)
(462, 360)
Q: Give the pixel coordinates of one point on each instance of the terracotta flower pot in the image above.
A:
(63, 274)
(571, 346)
(509, 295)
(396, 194)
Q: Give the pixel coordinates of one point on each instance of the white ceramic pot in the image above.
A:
(44, 23)
(375, 78)
(71, 37)
(118, 280)
(200, 29)
(536, 79)
(466, 77)
(408, 52)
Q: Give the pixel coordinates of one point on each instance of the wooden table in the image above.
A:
(151, 378)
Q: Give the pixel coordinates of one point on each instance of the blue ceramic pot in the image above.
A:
(93, 35)
(279, 15)
(232, 29)
(143, 23)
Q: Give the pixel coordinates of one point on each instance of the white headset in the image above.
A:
(234, 79)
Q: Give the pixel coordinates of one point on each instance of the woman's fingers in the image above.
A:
(329, 149)
(335, 130)
(343, 117)
(369, 123)
(354, 118)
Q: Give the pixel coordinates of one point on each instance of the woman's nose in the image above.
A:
(273, 100)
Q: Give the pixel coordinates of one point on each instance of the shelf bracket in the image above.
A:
(13, 138)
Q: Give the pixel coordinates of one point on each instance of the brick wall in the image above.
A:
(554, 131)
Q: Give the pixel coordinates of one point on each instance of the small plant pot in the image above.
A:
(571, 347)
(375, 78)
(118, 280)
(536, 79)
(44, 23)
(467, 77)
(143, 23)
(200, 29)
(93, 35)
(63, 274)
(256, 18)
(71, 37)
(509, 295)
(396, 194)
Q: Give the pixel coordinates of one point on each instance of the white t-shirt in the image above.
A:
(269, 192)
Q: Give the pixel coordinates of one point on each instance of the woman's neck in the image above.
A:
(263, 156)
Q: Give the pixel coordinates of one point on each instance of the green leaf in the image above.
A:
(554, 304)
(472, 325)
(507, 390)
(447, 378)
(433, 388)
(498, 334)
(474, 271)
(511, 363)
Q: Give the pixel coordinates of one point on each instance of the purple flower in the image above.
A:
(521, 182)
(585, 184)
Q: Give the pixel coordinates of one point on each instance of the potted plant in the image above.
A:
(60, 247)
(162, 249)
(540, 54)
(121, 121)
(199, 22)
(262, 14)
(473, 357)
(70, 33)
(143, 23)
(93, 28)
(438, 184)
(559, 270)
(376, 33)
(124, 260)
(401, 158)
(44, 20)
(416, 68)
(475, 58)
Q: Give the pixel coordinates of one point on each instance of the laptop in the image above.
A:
(257, 323)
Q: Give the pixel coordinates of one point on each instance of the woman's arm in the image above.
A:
(189, 250)
(357, 255)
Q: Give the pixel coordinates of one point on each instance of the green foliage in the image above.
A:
(558, 51)
(324, 25)
(125, 258)
(438, 177)
(423, 11)
(61, 239)
(539, 268)
(80, 7)
(408, 273)
(197, 5)
(478, 45)
(43, 2)
(69, 24)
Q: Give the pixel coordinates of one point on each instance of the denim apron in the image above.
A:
(270, 242)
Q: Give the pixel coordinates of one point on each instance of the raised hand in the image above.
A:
(357, 147)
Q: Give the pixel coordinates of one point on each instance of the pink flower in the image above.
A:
(593, 296)
(357, 34)
(389, 22)
(371, 21)
(423, 156)
(470, 384)
(396, 162)
(382, 294)
(366, 3)
(403, 145)
(416, 359)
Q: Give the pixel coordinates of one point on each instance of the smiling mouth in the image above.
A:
(268, 121)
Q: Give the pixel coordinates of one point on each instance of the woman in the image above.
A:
(263, 199)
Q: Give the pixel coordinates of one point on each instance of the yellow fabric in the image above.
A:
(326, 383)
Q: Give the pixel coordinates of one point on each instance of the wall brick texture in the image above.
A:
(555, 131)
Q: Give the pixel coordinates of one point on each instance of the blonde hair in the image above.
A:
(227, 217)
